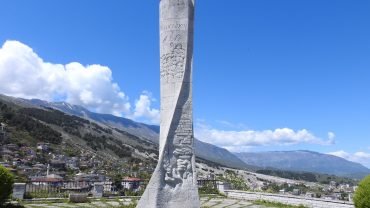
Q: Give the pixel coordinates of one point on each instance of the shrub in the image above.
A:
(208, 188)
(362, 195)
(6, 184)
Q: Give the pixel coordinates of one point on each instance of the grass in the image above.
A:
(276, 204)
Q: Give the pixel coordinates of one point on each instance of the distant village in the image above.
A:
(39, 165)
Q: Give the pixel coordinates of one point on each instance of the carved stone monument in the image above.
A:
(174, 181)
(19, 189)
(98, 190)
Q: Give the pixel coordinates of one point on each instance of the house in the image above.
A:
(73, 163)
(310, 195)
(132, 184)
(89, 177)
(24, 169)
(47, 181)
(2, 126)
(2, 131)
(6, 154)
(108, 186)
(282, 191)
(12, 147)
(296, 192)
(5, 165)
(43, 146)
(333, 184)
(16, 161)
(355, 188)
(57, 164)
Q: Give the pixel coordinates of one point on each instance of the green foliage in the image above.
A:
(6, 184)
(9, 205)
(103, 142)
(45, 194)
(271, 188)
(70, 124)
(25, 122)
(133, 205)
(231, 177)
(133, 193)
(208, 188)
(306, 176)
(290, 175)
(276, 204)
(362, 195)
(275, 188)
(53, 116)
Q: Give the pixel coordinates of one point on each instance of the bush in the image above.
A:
(208, 188)
(6, 184)
(362, 195)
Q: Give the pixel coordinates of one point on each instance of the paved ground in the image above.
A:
(205, 203)
(95, 204)
(227, 203)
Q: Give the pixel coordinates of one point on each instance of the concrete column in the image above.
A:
(98, 190)
(222, 187)
(19, 189)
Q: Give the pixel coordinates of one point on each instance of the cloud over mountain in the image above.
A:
(24, 74)
(242, 140)
(359, 157)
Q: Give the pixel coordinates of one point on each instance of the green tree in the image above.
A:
(362, 195)
(6, 184)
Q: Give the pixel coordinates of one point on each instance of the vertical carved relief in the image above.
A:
(173, 183)
(178, 165)
(173, 63)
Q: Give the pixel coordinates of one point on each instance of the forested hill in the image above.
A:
(32, 121)
(141, 131)
(29, 126)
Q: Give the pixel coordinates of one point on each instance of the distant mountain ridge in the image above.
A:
(305, 161)
(294, 161)
(144, 131)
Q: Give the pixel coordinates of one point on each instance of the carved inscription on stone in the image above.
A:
(173, 63)
(174, 181)
(178, 161)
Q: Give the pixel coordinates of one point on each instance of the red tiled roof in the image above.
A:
(46, 180)
(131, 179)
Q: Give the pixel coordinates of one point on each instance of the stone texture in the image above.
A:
(78, 198)
(98, 190)
(19, 190)
(174, 181)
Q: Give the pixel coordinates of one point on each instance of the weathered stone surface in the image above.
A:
(98, 190)
(174, 181)
(19, 190)
(78, 198)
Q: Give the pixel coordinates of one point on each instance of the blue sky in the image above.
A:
(268, 75)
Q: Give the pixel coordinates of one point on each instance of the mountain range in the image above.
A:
(147, 132)
(305, 161)
(298, 161)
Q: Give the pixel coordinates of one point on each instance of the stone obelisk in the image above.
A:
(174, 181)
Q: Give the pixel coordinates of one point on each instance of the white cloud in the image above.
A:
(143, 108)
(245, 139)
(24, 74)
(359, 157)
(331, 135)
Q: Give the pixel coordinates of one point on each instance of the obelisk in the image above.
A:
(174, 181)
